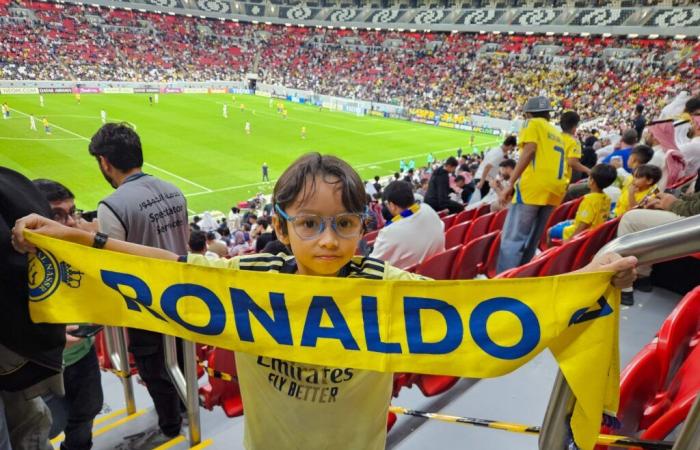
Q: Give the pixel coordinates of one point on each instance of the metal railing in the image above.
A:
(186, 384)
(658, 244)
(115, 341)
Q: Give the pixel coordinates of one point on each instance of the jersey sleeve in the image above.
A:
(529, 134)
(586, 212)
(573, 149)
(221, 263)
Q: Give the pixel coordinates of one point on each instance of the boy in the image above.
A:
(320, 208)
(645, 178)
(572, 146)
(593, 210)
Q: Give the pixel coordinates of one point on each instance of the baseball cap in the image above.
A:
(537, 104)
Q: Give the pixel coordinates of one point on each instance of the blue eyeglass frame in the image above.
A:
(324, 220)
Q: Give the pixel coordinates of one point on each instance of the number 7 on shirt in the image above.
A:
(561, 160)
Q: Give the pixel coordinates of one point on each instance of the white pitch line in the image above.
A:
(38, 139)
(153, 166)
(361, 166)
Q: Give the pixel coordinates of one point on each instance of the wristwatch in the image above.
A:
(100, 240)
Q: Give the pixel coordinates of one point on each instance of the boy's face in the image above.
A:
(327, 253)
(633, 162)
(642, 183)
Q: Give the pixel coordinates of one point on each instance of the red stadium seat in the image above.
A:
(391, 420)
(442, 213)
(493, 257)
(480, 226)
(595, 240)
(222, 393)
(455, 234)
(498, 220)
(439, 267)
(448, 220)
(472, 258)
(682, 393)
(682, 182)
(562, 258)
(463, 216)
(531, 269)
(679, 333)
(559, 214)
(482, 210)
(431, 385)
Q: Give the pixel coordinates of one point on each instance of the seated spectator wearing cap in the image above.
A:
(536, 188)
(438, 195)
(414, 233)
(629, 139)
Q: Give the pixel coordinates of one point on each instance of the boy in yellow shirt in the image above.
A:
(320, 205)
(645, 178)
(593, 210)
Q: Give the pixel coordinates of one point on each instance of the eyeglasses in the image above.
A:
(310, 226)
(61, 216)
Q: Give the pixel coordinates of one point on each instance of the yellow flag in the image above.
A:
(474, 328)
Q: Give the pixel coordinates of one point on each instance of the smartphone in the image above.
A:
(86, 331)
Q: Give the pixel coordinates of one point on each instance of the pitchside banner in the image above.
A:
(475, 328)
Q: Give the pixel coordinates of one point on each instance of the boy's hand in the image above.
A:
(624, 268)
(38, 224)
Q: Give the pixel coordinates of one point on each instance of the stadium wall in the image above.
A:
(635, 24)
(480, 124)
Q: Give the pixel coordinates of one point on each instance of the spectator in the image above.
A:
(465, 190)
(629, 139)
(241, 244)
(234, 219)
(593, 210)
(198, 245)
(639, 189)
(126, 214)
(662, 209)
(572, 147)
(377, 185)
(489, 166)
(639, 122)
(438, 195)
(537, 188)
(30, 353)
(73, 414)
(214, 245)
(414, 233)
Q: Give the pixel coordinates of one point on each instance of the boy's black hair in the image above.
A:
(639, 108)
(211, 236)
(644, 153)
(198, 241)
(53, 190)
(648, 171)
(511, 140)
(693, 104)
(459, 178)
(235, 210)
(298, 182)
(376, 178)
(119, 144)
(569, 120)
(630, 136)
(399, 193)
(452, 162)
(604, 175)
(507, 163)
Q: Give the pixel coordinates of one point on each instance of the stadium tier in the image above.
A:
(454, 73)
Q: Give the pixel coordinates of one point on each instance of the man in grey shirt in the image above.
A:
(147, 211)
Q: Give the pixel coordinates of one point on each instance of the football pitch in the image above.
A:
(187, 141)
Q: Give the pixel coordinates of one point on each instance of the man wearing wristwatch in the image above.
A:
(143, 210)
(73, 413)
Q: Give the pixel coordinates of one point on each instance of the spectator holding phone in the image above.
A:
(74, 413)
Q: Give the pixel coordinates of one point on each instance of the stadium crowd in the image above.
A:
(459, 73)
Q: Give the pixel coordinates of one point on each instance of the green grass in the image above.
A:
(187, 141)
